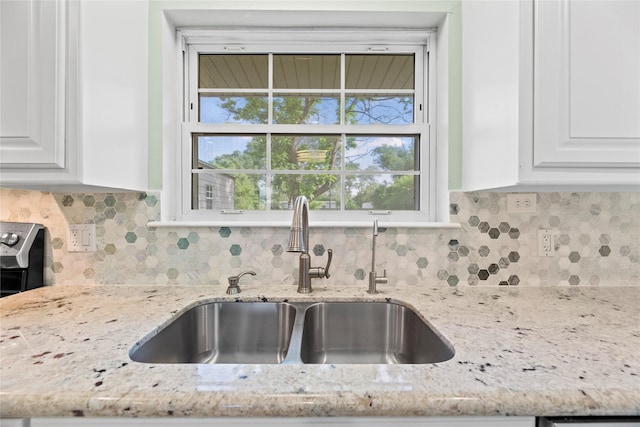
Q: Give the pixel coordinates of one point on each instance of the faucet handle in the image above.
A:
(322, 272)
(233, 282)
(329, 258)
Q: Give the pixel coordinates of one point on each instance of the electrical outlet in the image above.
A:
(545, 243)
(82, 238)
(521, 203)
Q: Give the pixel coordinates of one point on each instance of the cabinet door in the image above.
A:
(32, 83)
(587, 84)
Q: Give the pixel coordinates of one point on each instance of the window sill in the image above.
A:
(314, 224)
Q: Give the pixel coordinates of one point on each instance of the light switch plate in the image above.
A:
(82, 238)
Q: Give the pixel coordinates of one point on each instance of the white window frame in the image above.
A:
(307, 41)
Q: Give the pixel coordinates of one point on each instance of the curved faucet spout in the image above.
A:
(299, 238)
(299, 242)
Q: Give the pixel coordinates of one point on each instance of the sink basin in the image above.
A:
(222, 332)
(369, 332)
(295, 333)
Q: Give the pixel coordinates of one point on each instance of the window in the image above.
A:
(345, 124)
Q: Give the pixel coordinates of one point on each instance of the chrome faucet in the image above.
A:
(299, 242)
(374, 279)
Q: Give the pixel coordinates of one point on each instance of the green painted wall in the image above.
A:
(453, 7)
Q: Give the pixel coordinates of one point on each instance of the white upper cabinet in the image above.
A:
(74, 93)
(32, 81)
(551, 94)
(587, 80)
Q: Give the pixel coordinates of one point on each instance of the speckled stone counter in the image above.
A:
(526, 351)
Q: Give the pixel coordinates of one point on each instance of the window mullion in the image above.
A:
(343, 175)
(270, 91)
(342, 88)
(268, 175)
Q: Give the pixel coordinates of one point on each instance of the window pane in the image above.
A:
(231, 108)
(322, 190)
(382, 192)
(299, 152)
(232, 191)
(306, 71)
(378, 109)
(382, 153)
(379, 72)
(233, 72)
(306, 109)
(230, 152)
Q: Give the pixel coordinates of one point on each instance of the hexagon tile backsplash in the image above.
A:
(596, 242)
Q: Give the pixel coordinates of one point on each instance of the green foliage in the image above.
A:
(286, 155)
(394, 158)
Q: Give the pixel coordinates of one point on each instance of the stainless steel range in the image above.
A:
(21, 257)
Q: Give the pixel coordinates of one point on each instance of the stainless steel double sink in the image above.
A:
(295, 333)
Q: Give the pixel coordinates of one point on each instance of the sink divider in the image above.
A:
(294, 351)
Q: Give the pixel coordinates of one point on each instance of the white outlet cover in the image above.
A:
(545, 243)
(521, 203)
(82, 238)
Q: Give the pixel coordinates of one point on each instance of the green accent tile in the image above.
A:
(110, 249)
(183, 243)
(473, 268)
(235, 250)
(130, 237)
(151, 201)
(110, 201)
(67, 200)
(89, 200)
(120, 207)
(110, 213)
(277, 250)
(193, 237)
(318, 250)
(452, 280)
(57, 243)
(484, 251)
(503, 262)
(422, 262)
(504, 227)
(514, 233)
(574, 257)
(89, 273)
(172, 273)
(224, 232)
(245, 232)
(402, 250)
(360, 274)
(494, 268)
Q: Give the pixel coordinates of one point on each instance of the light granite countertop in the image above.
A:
(519, 351)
